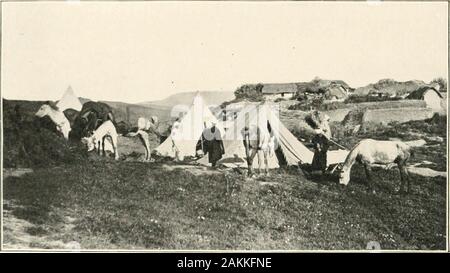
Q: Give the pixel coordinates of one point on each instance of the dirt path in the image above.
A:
(422, 171)
(426, 172)
(17, 235)
(16, 172)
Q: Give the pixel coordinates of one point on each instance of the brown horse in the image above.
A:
(91, 116)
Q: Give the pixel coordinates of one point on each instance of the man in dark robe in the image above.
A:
(321, 145)
(212, 144)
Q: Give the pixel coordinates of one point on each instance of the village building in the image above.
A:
(274, 91)
(429, 94)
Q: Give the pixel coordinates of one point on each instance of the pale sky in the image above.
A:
(141, 51)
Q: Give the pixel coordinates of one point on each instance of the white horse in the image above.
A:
(144, 126)
(369, 151)
(58, 117)
(97, 139)
(259, 142)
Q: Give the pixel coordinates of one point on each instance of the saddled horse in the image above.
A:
(91, 116)
(258, 141)
(369, 151)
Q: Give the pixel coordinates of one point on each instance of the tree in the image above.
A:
(442, 83)
(252, 92)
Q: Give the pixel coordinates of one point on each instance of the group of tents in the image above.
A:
(198, 117)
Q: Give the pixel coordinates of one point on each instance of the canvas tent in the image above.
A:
(292, 150)
(189, 131)
(69, 101)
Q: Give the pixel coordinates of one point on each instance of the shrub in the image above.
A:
(359, 99)
(27, 143)
(317, 104)
(252, 92)
(442, 83)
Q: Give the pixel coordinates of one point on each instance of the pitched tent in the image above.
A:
(190, 130)
(69, 101)
(251, 115)
(292, 150)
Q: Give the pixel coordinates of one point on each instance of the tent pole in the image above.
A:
(337, 144)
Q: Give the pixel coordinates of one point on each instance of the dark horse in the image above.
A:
(91, 116)
(71, 115)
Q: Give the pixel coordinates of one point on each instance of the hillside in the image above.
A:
(185, 98)
(136, 111)
(390, 87)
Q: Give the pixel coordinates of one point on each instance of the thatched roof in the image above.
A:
(336, 91)
(278, 88)
(390, 87)
(321, 85)
(420, 93)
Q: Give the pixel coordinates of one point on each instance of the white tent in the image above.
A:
(190, 129)
(262, 115)
(69, 101)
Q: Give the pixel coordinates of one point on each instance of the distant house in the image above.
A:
(430, 95)
(378, 94)
(273, 91)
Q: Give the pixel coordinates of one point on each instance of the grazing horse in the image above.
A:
(97, 139)
(369, 151)
(258, 142)
(58, 118)
(144, 127)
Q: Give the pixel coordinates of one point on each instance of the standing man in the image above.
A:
(321, 144)
(320, 122)
(176, 127)
(213, 144)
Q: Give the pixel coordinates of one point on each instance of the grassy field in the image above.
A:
(98, 203)
(142, 205)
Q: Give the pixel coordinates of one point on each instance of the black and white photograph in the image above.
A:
(219, 126)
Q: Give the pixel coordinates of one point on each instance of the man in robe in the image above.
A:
(212, 144)
(321, 144)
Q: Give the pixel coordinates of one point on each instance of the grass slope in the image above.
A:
(141, 205)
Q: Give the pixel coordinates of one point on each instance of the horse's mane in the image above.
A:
(352, 155)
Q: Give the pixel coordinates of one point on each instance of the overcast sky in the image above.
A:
(140, 51)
